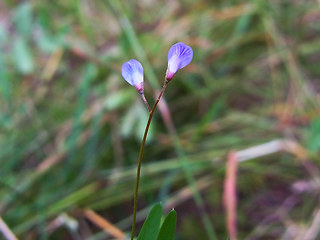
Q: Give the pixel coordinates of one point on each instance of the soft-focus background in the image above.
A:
(71, 127)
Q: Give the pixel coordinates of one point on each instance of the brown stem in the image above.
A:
(140, 159)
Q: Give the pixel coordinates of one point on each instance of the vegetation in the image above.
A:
(71, 127)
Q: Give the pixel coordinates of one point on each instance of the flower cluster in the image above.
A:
(179, 56)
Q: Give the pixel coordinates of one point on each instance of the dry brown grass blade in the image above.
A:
(232, 12)
(186, 193)
(104, 224)
(229, 194)
(52, 65)
(7, 233)
(65, 129)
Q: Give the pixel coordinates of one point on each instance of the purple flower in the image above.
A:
(179, 56)
(132, 72)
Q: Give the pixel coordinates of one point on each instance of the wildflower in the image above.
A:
(132, 72)
(179, 56)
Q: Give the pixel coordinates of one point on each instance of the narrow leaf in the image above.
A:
(23, 19)
(5, 84)
(150, 228)
(22, 56)
(168, 227)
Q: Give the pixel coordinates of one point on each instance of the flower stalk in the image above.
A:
(135, 202)
(145, 101)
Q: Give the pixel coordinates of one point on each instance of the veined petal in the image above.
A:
(132, 72)
(179, 56)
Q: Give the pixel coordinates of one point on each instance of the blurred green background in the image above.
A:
(71, 127)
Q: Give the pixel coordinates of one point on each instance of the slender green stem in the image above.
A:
(140, 159)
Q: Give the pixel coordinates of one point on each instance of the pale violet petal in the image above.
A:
(173, 64)
(179, 56)
(132, 72)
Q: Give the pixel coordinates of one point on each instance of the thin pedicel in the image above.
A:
(132, 72)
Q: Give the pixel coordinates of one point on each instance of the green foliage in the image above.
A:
(23, 19)
(5, 84)
(22, 56)
(168, 227)
(152, 229)
(314, 135)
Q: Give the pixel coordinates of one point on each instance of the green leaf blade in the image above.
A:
(150, 228)
(23, 19)
(22, 56)
(168, 227)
